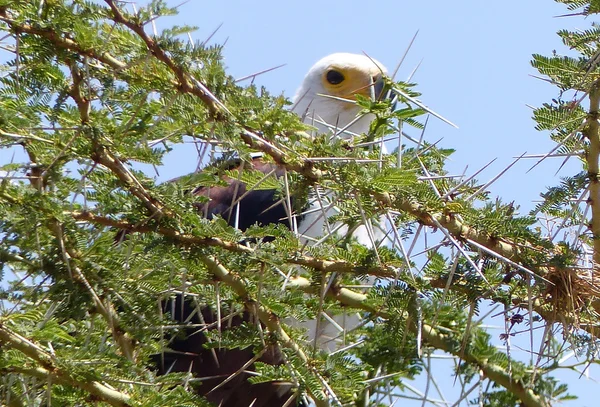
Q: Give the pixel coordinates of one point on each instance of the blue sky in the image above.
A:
(475, 66)
(474, 70)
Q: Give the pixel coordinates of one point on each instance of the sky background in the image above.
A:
(474, 70)
(474, 67)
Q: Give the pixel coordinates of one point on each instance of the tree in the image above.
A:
(90, 93)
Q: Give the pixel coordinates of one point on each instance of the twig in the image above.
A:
(50, 369)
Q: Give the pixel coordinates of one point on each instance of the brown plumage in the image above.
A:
(261, 207)
(343, 76)
(187, 351)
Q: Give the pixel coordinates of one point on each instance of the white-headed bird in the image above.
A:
(326, 100)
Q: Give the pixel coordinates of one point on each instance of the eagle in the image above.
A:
(326, 100)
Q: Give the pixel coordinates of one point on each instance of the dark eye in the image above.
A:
(334, 77)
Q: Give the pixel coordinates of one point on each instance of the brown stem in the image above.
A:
(186, 83)
(60, 41)
(592, 132)
(434, 338)
(50, 369)
(306, 261)
(269, 319)
(102, 155)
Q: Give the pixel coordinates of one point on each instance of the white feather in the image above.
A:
(316, 104)
(329, 113)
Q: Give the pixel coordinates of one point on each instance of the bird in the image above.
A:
(326, 100)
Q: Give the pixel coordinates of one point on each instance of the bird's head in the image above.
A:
(327, 97)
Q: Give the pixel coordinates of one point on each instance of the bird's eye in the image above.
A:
(334, 77)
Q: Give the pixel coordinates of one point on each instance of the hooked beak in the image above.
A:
(378, 84)
(380, 94)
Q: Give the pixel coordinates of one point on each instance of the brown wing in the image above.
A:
(187, 350)
(261, 207)
(188, 354)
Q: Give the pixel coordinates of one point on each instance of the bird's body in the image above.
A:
(254, 207)
(326, 100)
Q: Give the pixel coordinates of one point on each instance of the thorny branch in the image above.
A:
(105, 308)
(103, 156)
(339, 266)
(50, 369)
(592, 132)
(269, 319)
(304, 166)
(186, 83)
(345, 296)
(60, 41)
(432, 337)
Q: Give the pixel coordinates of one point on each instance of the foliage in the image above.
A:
(91, 243)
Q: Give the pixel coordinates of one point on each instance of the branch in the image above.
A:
(434, 338)
(592, 133)
(186, 82)
(339, 266)
(300, 165)
(60, 41)
(124, 342)
(494, 372)
(343, 295)
(52, 370)
(457, 229)
(83, 104)
(102, 155)
(269, 319)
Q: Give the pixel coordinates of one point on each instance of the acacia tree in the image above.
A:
(90, 91)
